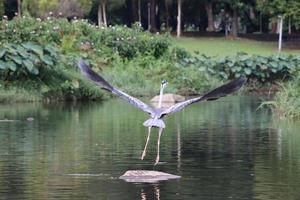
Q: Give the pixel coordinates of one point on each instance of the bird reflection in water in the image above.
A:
(153, 194)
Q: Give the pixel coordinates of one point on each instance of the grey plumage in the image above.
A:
(105, 85)
(157, 114)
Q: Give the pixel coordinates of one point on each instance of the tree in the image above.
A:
(153, 15)
(179, 5)
(279, 9)
(134, 10)
(40, 8)
(102, 21)
(28, 6)
(74, 8)
(139, 12)
(210, 16)
(2, 8)
(286, 8)
(65, 8)
(19, 7)
(234, 8)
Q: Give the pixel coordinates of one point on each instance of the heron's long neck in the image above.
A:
(160, 96)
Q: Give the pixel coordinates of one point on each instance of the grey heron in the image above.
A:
(157, 114)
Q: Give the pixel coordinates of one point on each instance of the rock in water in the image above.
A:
(147, 176)
(170, 98)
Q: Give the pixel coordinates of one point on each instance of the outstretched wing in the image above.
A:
(96, 78)
(210, 96)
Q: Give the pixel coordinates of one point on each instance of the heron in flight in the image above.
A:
(157, 114)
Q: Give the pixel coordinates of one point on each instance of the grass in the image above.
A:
(226, 47)
(286, 103)
(16, 94)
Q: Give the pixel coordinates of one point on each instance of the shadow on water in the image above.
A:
(223, 150)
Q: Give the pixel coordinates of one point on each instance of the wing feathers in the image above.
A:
(96, 78)
(225, 89)
(210, 96)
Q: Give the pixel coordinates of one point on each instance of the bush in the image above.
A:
(142, 77)
(286, 102)
(26, 58)
(127, 42)
(261, 68)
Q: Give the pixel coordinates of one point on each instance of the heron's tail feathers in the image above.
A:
(154, 123)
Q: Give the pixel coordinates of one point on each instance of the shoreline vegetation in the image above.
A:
(38, 61)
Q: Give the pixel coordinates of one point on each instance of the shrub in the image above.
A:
(127, 42)
(286, 102)
(180, 53)
(142, 77)
(261, 68)
(26, 58)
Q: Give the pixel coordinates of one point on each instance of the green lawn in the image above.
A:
(225, 47)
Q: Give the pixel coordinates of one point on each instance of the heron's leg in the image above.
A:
(144, 152)
(158, 142)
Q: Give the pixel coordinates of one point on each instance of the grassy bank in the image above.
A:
(13, 94)
(38, 61)
(226, 47)
(286, 103)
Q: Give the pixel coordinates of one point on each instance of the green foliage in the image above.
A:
(65, 8)
(223, 47)
(142, 76)
(1, 7)
(67, 43)
(286, 102)
(18, 93)
(20, 59)
(285, 8)
(180, 53)
(23, 29)
(129, 42)
(124, 41)
(262, 68)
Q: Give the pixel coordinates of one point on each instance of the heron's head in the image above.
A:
(164, 84)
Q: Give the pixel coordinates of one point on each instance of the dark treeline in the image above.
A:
(228, 16)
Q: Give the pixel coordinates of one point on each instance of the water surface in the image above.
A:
(223, 150)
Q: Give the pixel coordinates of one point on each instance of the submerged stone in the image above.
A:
(147, 176)
(30, 119)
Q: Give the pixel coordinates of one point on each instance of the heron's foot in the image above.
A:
(156, 160)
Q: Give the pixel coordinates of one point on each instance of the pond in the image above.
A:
(223, 150)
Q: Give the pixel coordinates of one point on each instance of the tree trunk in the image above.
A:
(179, 18)
(139, 12)
(2, 11)
(234, 25)
(102, 14)
(19, 7)
(167, 14)
(210, 16)
(290, 25)
(149, 16)
(260, 23)
(280, 19)
(134, 14)
(153, 25)
(252, 12)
